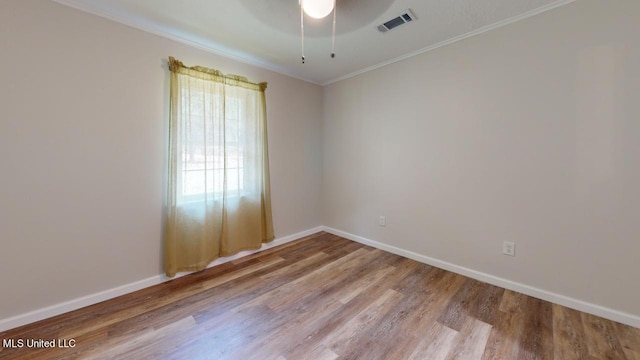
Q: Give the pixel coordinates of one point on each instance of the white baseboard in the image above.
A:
(74, 304)
(607, 313)
(57, 309)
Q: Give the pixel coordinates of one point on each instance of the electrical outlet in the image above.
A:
(509, 248)
(382, 221)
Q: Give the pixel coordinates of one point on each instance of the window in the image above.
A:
(204, 164)
(218, 200)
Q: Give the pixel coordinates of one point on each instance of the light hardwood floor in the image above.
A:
(325, 297)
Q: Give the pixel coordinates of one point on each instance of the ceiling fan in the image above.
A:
(318, 9)
(309, 18)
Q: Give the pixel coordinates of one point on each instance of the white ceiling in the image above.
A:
(267, 32)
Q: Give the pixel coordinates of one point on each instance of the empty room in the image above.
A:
(320, 179)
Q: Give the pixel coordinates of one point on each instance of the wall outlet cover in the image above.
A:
(509, 248)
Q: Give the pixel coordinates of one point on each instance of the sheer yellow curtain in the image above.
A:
(218, 198)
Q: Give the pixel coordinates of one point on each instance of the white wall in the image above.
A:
(529, 133)
(83, 109)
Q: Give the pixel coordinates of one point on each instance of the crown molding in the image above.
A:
(220, 50)
(206, 46)
(455, 39)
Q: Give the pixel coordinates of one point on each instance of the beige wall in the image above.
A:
(83, 104)
(529, 133)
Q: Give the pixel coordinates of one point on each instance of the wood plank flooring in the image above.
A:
(325, 297)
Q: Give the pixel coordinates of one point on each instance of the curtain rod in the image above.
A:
(178, 67)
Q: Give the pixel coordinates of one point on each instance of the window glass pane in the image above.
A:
(213, 137)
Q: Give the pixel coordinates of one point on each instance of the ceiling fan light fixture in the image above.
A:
(317, 9)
